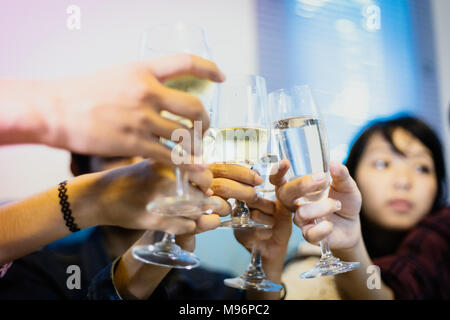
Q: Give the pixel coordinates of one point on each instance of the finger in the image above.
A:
(172, 225)
(160, 153)
(207, 222)
(300, 187)
(318, 209)
(278, 172)
(260, 217)
(185, 64)
(153, 150)
(224, 208)
(181, 104)
(186, 241)
(226, 189)
(264, 205)
(236, 172)
(342, 181)
(315, 233)
(171, 130)
(161, 126)
(189, 140)
(201, 179)
(248, 238)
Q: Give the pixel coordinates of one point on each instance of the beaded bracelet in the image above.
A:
(65, 207)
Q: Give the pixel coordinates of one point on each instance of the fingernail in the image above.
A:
(209, 192)
(319, 176)
(338, 205)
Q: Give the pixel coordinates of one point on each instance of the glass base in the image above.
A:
(242, 223)
(165, 255)
(183, 207)
(329, 266)
(253, 284)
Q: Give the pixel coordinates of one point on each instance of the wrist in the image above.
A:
(352, 253)
(134, 279)
(55, 113)
(273, 271)
(83, 199)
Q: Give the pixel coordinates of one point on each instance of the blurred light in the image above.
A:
(353, 102)
(339, 153)
(314, 3)
(345, 26)
(306, 8)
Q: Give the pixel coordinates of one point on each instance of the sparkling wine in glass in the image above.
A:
(181, 200)
(239, 133)
(300, 134)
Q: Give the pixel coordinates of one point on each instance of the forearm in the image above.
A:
(27, 225)
(25, 107)
(354, 284)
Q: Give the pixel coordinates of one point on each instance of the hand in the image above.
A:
(237, 182)
(134, 279)
(230, 181)
(121, 195)
(234, 181)
(116, 112)
(339, 212)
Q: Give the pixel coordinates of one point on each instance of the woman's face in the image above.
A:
(397, 190)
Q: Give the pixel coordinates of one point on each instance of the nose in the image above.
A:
(402, 179)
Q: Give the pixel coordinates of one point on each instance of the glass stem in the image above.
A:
(241, 210)
(324, 247)
(255, 271)
(255, 261)
(168, 238)
(181, 182)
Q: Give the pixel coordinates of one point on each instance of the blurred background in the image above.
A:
(362, 58)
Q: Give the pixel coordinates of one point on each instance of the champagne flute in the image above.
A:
(182, 200)
(300, 134)
(254, 277)
(240, 132)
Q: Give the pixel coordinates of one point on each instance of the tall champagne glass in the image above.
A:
(300, 134)
(254, 277)
(240, 131)
(180, 199)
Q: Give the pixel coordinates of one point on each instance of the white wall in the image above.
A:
(36, 44)
(441, 12)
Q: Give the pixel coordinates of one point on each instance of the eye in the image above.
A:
(423, 169)
(381, 164)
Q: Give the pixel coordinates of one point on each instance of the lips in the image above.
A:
(400, 205)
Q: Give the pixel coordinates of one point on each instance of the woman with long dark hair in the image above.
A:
(387, 211)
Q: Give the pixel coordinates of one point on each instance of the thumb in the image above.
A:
(342, 180)
(278, 172)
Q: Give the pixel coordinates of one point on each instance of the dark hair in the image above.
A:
(418, 129)
(80, 164)
(83, 163)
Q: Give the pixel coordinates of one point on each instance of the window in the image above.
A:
(362, 58)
